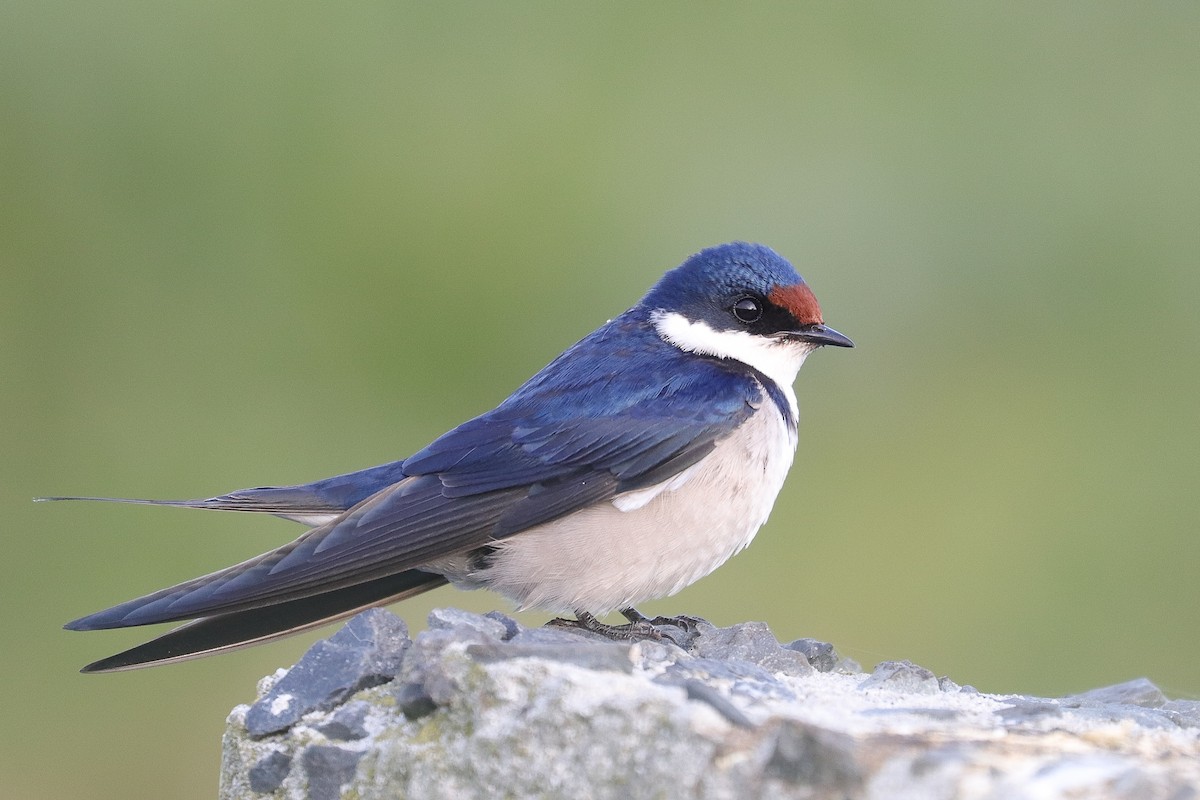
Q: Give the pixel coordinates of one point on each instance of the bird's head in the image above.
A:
(745, 302)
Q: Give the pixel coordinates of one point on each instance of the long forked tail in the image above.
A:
(309, 503)
(297, 503)
(224, 632)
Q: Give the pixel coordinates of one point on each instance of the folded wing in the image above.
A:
(557, 445)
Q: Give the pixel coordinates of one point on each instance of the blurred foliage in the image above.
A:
(249, 244)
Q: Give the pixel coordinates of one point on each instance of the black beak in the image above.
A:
(820, 335)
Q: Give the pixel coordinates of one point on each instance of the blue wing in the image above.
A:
(621, 410)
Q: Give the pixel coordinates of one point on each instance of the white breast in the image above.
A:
(653, 542)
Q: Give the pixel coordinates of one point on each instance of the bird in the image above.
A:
(632, 465)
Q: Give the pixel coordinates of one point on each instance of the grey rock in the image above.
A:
(328, 769)
(1029, 710)
(448, 619)
(1121, 779)
(474, 715)
(425, 665)
(1115, 713)
(346, 723)
(902, 676)
(820, 655)
(914, 711)
(947, 685)
(268, 772)
(413, 701)
(657, 655)
(600, 656)
(752, 642)
(366, 652)
(848, 666)
(715, 670)
(1137, 692)
(551, 635)
(749, 681)
(806, 755)
(702, 692)
(1137, 700)
(511, 626)
(1185, 713)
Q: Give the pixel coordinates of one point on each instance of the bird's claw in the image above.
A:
(689, 625)
(639, 628)
(634, 631)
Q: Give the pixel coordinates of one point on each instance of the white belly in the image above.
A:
(605, 558)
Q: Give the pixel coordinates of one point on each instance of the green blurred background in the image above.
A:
(269, 243)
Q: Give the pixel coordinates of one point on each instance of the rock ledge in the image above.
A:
(481, 707)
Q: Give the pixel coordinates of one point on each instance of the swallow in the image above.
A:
(634, 464)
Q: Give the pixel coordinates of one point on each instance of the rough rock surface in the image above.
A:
(481, 707)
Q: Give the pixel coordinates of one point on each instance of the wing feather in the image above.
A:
(558, 444)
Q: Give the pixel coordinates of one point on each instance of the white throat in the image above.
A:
(778, 359)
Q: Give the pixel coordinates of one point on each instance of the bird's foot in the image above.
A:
(688, 625)
(634, 631)
(681, 630)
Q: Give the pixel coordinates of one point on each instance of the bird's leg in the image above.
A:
(640, 626)
(634, 630)
(685, 623)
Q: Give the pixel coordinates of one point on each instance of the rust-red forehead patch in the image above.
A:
(799, 300)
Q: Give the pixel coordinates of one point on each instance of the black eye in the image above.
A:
(748, 309)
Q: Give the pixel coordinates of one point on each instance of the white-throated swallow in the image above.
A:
(635, 463)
